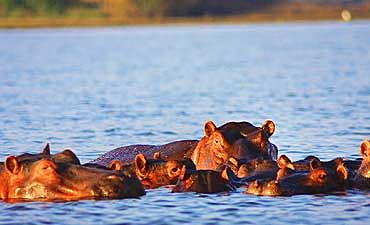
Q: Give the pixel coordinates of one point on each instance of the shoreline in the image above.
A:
(63, 23)
(275, 15)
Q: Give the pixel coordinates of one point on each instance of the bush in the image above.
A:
(38, 7)
(49, 7)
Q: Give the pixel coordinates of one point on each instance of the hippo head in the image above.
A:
(327, 177)
(157, 172)
(202, 181)
(240, 140)
(264, 187)
(66, 156)
(286, 167)
(252, 167)
(318, 179)
(364, 169)
(48, 180)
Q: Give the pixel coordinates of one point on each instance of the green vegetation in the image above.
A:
(34, 7)
(150, 8)
(120, 12)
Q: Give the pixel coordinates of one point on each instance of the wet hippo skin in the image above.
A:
(48, 180)
(172, 151)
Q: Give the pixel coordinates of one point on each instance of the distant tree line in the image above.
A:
(37, 6)
(199, 7)
(144, 7)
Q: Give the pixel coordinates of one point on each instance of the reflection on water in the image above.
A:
(96, 89)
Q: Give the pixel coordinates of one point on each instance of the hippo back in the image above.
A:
(172, 151)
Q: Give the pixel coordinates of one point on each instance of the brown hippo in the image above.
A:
(240, 140)
(362, 177)
(155, 172)
(66, 156)
(258, 169)
(351, 166)
(48, 180)
(202, 181)
(172, 151)
(317, 180)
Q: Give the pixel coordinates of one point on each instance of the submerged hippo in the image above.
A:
(66, 156)
(317, 180)
(156, 172)
(48, 180)
(172, 151)
(257, 169)
(202, 181)
(233, 139)
(362, 177)
(351, 166)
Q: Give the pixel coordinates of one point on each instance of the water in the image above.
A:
(94, 89)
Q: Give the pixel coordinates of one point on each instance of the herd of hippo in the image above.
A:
(236, 154)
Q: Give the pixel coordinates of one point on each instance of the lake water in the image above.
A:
(95, 89)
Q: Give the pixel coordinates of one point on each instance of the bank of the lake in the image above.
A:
(276, 14)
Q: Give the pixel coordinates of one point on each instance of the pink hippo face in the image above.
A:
(362, 176)
(47, 180)
(240, 140)
(364, 169)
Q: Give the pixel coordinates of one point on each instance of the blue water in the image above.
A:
(95, 89)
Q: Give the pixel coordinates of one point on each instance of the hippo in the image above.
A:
(154, 172)
(257, 169)
(176, 150)
(66, 156)
(202, 181)
(237, 139)
(304, 164)
(351, 166)
(317, 180)
(47, 179)
(240, 140)
(362, 177)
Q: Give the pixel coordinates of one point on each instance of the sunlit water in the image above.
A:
(95, 89)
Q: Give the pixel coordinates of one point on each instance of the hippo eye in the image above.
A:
(322, 176)
(174, 170)
(216, 141)
(45, 167)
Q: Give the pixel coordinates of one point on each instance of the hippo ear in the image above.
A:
(283, 172)
(314, 164)
(284, 162)
(337, 161)
(269, 127)
(115, 165)
(141, 163)
(209, 128)
(311, 157)
(233, 161)
(157, 155)
(46, 149)
(365, 149)
(12, 165)
(342, 171)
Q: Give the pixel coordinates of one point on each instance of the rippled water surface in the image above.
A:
(96, 89)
